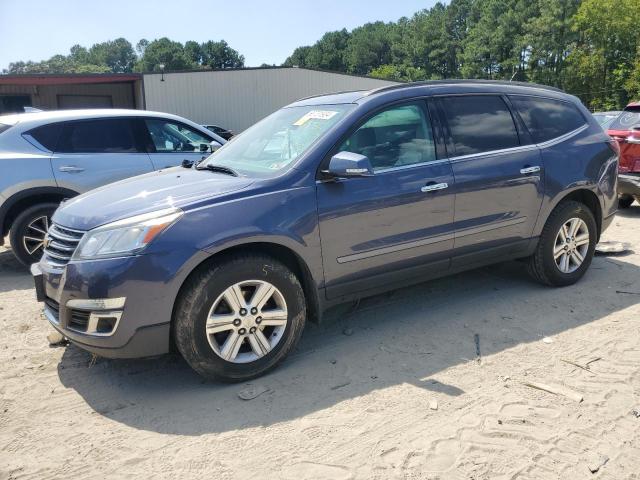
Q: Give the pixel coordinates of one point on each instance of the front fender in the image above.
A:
(287, 218)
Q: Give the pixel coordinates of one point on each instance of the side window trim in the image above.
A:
(523, 134)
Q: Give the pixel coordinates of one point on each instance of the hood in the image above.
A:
(174, 187)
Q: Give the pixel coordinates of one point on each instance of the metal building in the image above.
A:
(233, 99)
(52, 92)
(236, 99)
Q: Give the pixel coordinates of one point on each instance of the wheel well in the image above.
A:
(590, 200)
(284, 254)
(22, 204)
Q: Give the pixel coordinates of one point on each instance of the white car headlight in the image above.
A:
(125, 237)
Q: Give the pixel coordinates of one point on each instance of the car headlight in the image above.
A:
(125, 237)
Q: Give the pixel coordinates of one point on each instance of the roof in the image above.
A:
(460, 82)
(67, 78)
(71, 78)
(26, 121)
(431, 86)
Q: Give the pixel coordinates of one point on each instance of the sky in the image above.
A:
(263, 31)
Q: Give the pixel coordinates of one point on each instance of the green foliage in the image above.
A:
(119, 56)
(164, 52)
(218, 55)
(603, 64)
(588, 47)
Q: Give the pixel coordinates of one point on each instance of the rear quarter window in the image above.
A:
(47, 135)
(546, 118)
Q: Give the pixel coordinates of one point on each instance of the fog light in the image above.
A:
(106, 324)
(103, 323)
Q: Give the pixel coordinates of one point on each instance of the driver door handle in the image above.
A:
(71, 169)
(433, 187)
(528, 170)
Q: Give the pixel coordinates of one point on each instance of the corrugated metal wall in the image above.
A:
(46, 96)
(236, 99)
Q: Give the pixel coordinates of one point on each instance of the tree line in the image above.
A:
(587, 47)
(119, 56)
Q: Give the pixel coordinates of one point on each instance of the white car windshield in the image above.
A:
(276, 142)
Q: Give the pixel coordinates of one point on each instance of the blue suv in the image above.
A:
(327, 200)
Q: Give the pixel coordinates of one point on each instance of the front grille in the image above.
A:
(79, 320)
(61, 244)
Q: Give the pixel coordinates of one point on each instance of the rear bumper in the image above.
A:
(629, 184)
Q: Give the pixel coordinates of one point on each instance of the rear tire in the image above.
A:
(208, 308)
(28, 231)
(555, 261)
(625, 201)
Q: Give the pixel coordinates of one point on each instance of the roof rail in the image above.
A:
(387, 88)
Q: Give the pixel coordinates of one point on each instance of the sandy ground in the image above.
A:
(357, 399)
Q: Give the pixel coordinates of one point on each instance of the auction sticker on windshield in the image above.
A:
(315, 115)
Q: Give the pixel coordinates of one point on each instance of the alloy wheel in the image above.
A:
(35, 233)
(571, 245)
(246, 321)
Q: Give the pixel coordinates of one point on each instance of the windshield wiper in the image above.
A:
(218, 169)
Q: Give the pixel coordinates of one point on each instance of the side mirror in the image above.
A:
(213, 146)
(349, 165)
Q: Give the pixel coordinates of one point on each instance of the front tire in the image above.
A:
(566, 246)
(239, 318)
(28, 231)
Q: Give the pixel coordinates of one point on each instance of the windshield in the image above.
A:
(626, 120)
(276, 142)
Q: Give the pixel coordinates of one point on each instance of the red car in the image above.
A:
(626, 130)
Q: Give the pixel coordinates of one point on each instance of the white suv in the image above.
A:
(46, 157)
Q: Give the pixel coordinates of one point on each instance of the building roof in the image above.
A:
(67, 78)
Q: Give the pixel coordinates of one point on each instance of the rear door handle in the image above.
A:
(528, 170)
(71, 169)
(433, 187)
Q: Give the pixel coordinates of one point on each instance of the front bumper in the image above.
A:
(131, 317)
(629, 184)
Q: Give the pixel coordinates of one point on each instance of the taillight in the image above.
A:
(614, 145)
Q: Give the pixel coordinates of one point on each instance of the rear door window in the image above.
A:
(546, 118)
(98, 136)
(479, 123)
